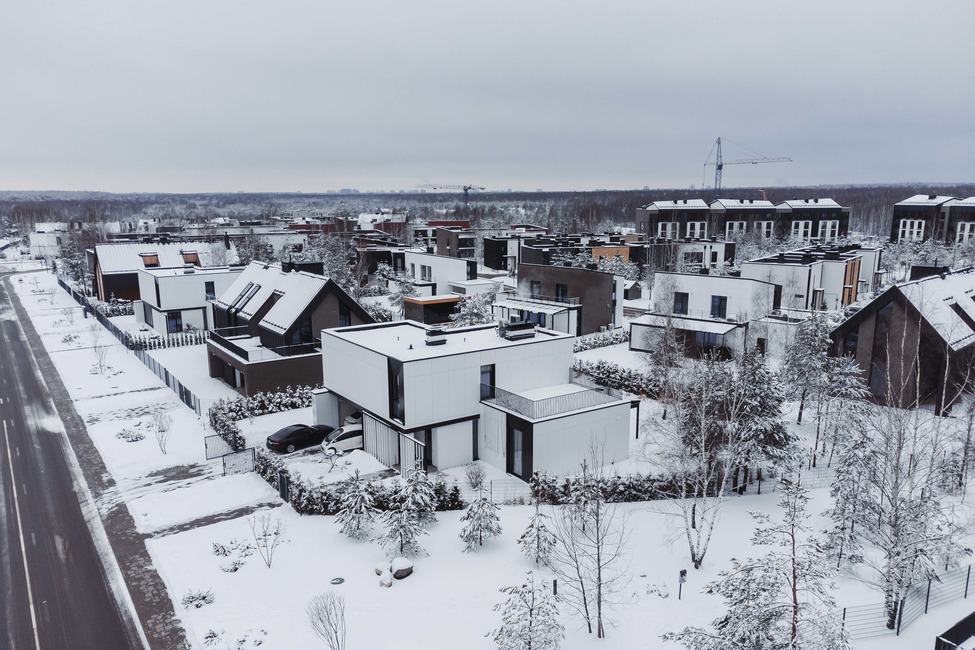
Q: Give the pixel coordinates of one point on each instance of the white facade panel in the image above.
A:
(560, 445)
(746, 298)
(325, 408)
(452, 445)
(357, 374)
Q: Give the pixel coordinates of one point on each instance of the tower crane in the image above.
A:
(464, 188)
(719, 163)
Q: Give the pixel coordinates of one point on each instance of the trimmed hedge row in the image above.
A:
(616, 489)
(311, 499)
(606, 373)
(601, 340)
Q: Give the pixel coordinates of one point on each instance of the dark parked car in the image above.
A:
(298, 436)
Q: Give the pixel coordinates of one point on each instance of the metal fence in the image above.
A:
(869, 621)
(185, 394)
(216, 447)
(240, 462)
(504, 491)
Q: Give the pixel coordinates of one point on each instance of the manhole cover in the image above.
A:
(337, 581)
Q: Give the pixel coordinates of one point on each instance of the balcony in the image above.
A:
(239, 342)
(570, 397)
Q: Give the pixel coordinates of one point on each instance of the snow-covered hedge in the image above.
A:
(225, 414)
(114, 308)
(601, 340)
(606, 373)
(320, 499)
(616, 489)
(146, 342)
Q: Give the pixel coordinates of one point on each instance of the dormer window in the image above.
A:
(191, 257)
(150, 260)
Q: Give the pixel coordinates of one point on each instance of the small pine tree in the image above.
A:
(537, 541)
(529, 618)
(417, 495)
(356, 510)
(403, 531)
(483, 520)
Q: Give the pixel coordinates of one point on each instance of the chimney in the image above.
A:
(436, 336)
(815, 200)
(932, 197)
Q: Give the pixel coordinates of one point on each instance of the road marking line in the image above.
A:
(23, 546)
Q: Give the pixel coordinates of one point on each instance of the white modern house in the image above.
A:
(435, 398)
(710, 313)
(819, 277)
(174, 299)
(434, 274)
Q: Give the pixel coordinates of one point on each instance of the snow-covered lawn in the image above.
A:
(189, 365)
(619, 354)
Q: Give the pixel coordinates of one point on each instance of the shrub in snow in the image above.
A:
(233, 566)
(474, 474)
(326, 616)
(198, 598)
(130, 435)
(615, 489)
(268, 535)
(447, 499)
(481, 521)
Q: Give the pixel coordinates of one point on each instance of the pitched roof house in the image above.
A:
(268, 326)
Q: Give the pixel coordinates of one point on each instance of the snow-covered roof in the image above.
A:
(947, 303)
(256, 278)
(406, 340)
(299, 289)
(809, 203)
(686, 324)
(926, 199)
(741, 204)
(968, 202)
(125, 258)
(675, 204)
(181, 270)
(535, 307)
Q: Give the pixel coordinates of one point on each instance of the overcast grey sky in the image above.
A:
(286, 95)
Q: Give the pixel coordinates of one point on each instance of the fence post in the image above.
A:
(967, 578)
(927, 598)
(843, 620)
(900, 615)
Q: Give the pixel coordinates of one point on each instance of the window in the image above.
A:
(149, 260)
(680, 302)
(734, 228)
(536, 289)
(561, 292)
(829, 230)
(147, 313)
(911, 230)
(174, 322)
(697, 229)
(802, 229)
(719, 306)
(765, 229)
(966, 232)
(667, 230)
(397, 400)
(190, 257)
(345, 316)
(426, 273)
(208, 289)
(487, 381)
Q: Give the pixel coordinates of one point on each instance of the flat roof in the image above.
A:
(181, 270)
(406, 340)
(687, 324)
(532, 306)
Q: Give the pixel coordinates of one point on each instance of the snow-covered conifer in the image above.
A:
(482, 520)
(402, 532)
(538, 540)
(416, 495)
(780, 600)
(356, 511)
(529, 618)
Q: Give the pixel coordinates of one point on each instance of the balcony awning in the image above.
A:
(687, 324)
(534, 307)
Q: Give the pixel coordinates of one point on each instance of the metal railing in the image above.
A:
(546, 407)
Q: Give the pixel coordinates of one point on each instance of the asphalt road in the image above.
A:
(53, 589)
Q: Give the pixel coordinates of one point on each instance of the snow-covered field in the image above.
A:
(447, 603)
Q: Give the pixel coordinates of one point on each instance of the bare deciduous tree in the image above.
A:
(326, 616)
(268, 535)
(161, 422)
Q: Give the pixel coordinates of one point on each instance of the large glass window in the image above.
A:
(211, 293)
(397, 401)
(174, 322)
(561, 292)
(802, 229)
(829, 230)
(680, 302)
(487, 381)
(697, 229)
(911, 230)
(667, 230)
(719, 306)
(966, 232)
(536, 289)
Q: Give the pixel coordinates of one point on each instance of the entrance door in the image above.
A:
(518, 453)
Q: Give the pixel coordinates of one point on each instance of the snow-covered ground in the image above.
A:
(447, 603)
